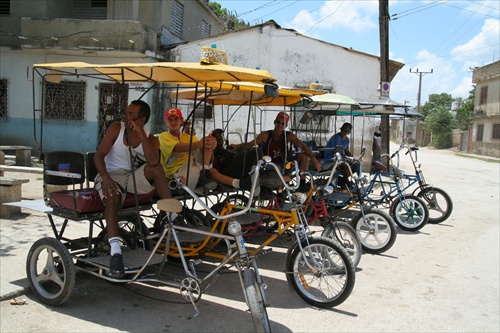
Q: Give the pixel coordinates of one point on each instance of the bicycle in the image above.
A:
(438, 201)
(52, 263)
(375, 229)
(319, 269)
(409, 211)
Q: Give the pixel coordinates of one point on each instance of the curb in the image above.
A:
(14, 294)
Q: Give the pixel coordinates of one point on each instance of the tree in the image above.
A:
(466, 111)
(230, 20)
(440, 123)
(435, 101)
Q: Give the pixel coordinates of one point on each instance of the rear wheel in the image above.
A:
(409, 212)
(50, 270)
(346, 235)
(255, 301)
(323, 275)
(376, 230)
(438, 202)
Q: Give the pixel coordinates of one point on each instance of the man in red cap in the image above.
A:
(274, 143)
(175, 152)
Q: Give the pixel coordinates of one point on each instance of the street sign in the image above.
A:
(385, 89)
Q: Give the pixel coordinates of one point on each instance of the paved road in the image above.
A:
(444, 278)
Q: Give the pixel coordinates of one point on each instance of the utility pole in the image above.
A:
(420, 74)
(384, 69)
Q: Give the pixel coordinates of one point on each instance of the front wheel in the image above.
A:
(255, 301)
(409, 212)
(345, 234)
(376, 230)
(320, 271)
(438, 202)
(50, 270)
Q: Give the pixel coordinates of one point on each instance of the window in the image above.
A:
(3, 98)
(176, 19)
(479, 134)
(307, 121)
(90, 9)
(4, 7)
(483, 98)
(65, 100)
(496, 132)
(205, 29)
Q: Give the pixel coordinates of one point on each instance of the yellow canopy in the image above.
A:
(240, 93)
(161, 72)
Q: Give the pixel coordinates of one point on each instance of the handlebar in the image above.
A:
(265, 161)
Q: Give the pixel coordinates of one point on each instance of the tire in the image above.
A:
(333, 277)
(50, 270)
(255, 301)
(377, 231)
(345, 234)
(409, 212)
(438, 202)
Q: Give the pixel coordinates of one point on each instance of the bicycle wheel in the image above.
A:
(255, 301)
(50, 270)
(376, 231)
(345, 234)
(409, 212)
(329, 278)
(438, 202)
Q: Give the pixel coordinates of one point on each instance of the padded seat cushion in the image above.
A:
(88, 200)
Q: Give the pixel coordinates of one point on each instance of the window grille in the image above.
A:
(176, 19)
(65, 100)
(205, 29)
(4, 7)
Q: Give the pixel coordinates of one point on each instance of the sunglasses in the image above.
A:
(281, 123)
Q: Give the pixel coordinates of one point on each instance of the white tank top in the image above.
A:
(118, 157)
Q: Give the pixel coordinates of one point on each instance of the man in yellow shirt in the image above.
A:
(175, 151)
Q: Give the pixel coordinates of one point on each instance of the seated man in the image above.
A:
(274, 144)
(113, 162)
(230, 163)
(340, 139)
(175, 145)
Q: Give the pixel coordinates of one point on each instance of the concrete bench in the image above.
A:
(10, 191)
(23, 154)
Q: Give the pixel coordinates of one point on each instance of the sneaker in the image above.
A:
(116, 268)
(269, 179)
(266, 194)
(246, 185)
(204, 182)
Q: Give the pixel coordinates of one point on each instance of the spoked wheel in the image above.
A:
(345, 234)
(409, 212)
(50, 270)
(255, 301)
(438, 202)
(376, 231)
(323, 275)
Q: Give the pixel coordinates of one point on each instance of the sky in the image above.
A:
(448, 38)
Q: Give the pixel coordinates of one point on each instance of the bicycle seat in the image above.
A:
(377, 165)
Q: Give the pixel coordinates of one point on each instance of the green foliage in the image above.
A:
(466, 111)
(440, 122)
(230, 20)
(435, 101)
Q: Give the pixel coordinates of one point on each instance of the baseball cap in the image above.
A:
(284, 116)
(173, 112)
